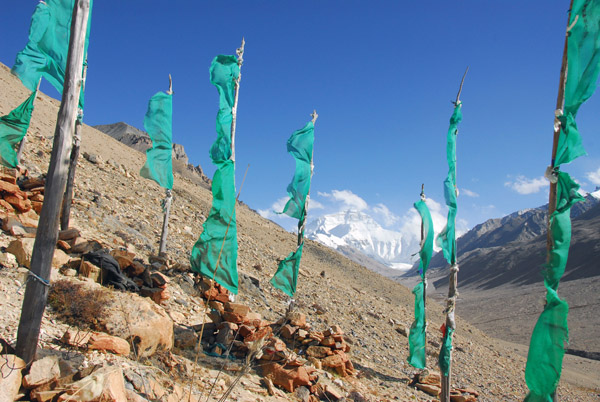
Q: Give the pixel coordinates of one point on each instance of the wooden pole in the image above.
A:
(162, 248)
(551, 173)
(424, 275)
(38, 282)
(65, 212)
(452, 292)
(240, 56)
(24, 140)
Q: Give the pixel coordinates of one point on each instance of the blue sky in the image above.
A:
(381, 75)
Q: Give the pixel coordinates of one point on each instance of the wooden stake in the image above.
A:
(162, 248)
(38, 282)
(240, 56)
(452, 293)
(560, 102)
(24, 140)
(65, 212)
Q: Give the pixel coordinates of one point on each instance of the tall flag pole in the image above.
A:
(417, 339)
(158, 123)
(579, 74)
(300, 146)
(36, 291)
(215, 253)
(447, 241)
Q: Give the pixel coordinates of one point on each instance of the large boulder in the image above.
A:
(10, 378)
(144, 323)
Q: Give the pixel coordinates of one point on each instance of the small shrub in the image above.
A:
(77, 305)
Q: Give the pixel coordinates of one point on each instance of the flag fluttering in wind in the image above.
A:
(13, 128)
(158, 123)
(417, 336)
(215, 253)
(546, 349)
(447, 237)
(46, 51)
(300, 146)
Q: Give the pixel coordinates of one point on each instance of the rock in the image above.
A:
(297, 319)
(136, 268)
(239, 309)
(319, 352)
(85, 247)
(340, 363)
(75, 337)
(133, 397)
(158, 295)
(226, 334)
(185, 338)
(68, 234)
(288, 378)
(10, 377)
(140, 321)
(105, 342)
(303, 394)
(287, 331)
(89, 270)
(158, 279)
(430, 389)
(42, 371)
(105, 384)
(429, 377)
(23, 248)
(92, 158)
(463, 398)
(402, 330)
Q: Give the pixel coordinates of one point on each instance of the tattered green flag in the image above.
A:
(445, 352)
(13, 128)
(417, 336)
(546, 349)
(215, 253)
(300, 146)
(159, 126)
(46, 51)
(447, 237)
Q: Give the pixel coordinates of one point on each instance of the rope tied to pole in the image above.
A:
(38, 278)
(164, 201)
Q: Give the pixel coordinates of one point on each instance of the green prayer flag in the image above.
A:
(286, 277)
(158, 124)
(583, 67)
(45, 54)
(546, 348)
(417, 336)
(446, 352)
(447, 237)
(13, 128)
(300, 146)
(215, 253)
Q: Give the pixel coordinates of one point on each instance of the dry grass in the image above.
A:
(77, 305)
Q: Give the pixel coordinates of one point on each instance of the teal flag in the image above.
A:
(551, 332)
(13, 128)
(446, 352)
(215, 253)
(417, 336)
(159, 126)
(583, 67)
(300, 146)
(447, 237)
(45, 54)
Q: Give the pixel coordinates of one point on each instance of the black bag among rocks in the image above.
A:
(111, 271)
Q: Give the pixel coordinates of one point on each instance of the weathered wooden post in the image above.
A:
(38, 282)
(452, 293)
(425, 271)
(65, 212)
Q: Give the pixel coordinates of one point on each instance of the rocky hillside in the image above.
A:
(140, 141)
(345, 306)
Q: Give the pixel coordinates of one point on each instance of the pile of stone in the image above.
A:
(289, 352)
(430, 383)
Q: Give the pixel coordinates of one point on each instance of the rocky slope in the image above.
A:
(117, 208)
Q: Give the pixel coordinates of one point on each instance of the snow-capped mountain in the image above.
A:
(361, 232)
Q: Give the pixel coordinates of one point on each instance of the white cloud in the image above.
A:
(469, 193)
(313, 204)
(347, 198)
(594, 177)
(271, 212)
(386, 216)
(523, 185)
